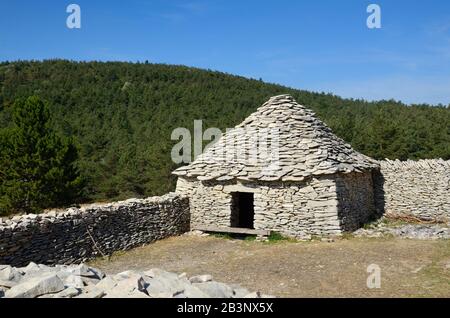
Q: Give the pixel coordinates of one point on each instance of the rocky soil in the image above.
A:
(82, 281)
(409, 231)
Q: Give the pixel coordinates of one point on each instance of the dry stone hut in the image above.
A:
(287, 173)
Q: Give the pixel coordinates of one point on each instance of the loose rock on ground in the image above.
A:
(408, 231)
(82, 281)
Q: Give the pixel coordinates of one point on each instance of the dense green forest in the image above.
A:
(38, 169)
(121, 116)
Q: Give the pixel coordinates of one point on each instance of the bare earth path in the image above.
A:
(409, 268)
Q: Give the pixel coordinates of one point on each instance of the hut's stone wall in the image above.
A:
(416, 188)
(295, 209)
(298, 210)
(76, 235)
(209, 205)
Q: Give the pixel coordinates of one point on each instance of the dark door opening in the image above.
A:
(242, 210)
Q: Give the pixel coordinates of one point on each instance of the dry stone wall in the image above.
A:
(76, 235)
(417, 188)
(297, 209)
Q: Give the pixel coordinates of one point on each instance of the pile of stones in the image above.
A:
(82, 281)
(408, 231)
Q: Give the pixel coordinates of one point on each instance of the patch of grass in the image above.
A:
(395, 222)
(399, 220)
(373, 222)
(368, 226)
(250, 238)
(276, 237)
(315, 238)
(225, 236)
(347, 236)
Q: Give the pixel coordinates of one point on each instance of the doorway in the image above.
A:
(242, 210)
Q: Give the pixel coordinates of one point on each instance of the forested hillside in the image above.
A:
(121, 116)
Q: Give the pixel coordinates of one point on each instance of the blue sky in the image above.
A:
(321, 45)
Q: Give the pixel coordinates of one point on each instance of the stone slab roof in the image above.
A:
(299, 146)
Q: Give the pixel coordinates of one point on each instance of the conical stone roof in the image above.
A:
(298, 146)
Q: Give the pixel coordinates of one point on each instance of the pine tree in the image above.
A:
(37, 168)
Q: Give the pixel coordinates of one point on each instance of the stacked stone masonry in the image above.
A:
(75, 235)
(310, 182)
(415, 188)
(322, 205)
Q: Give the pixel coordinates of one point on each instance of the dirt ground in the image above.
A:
(409, 268)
